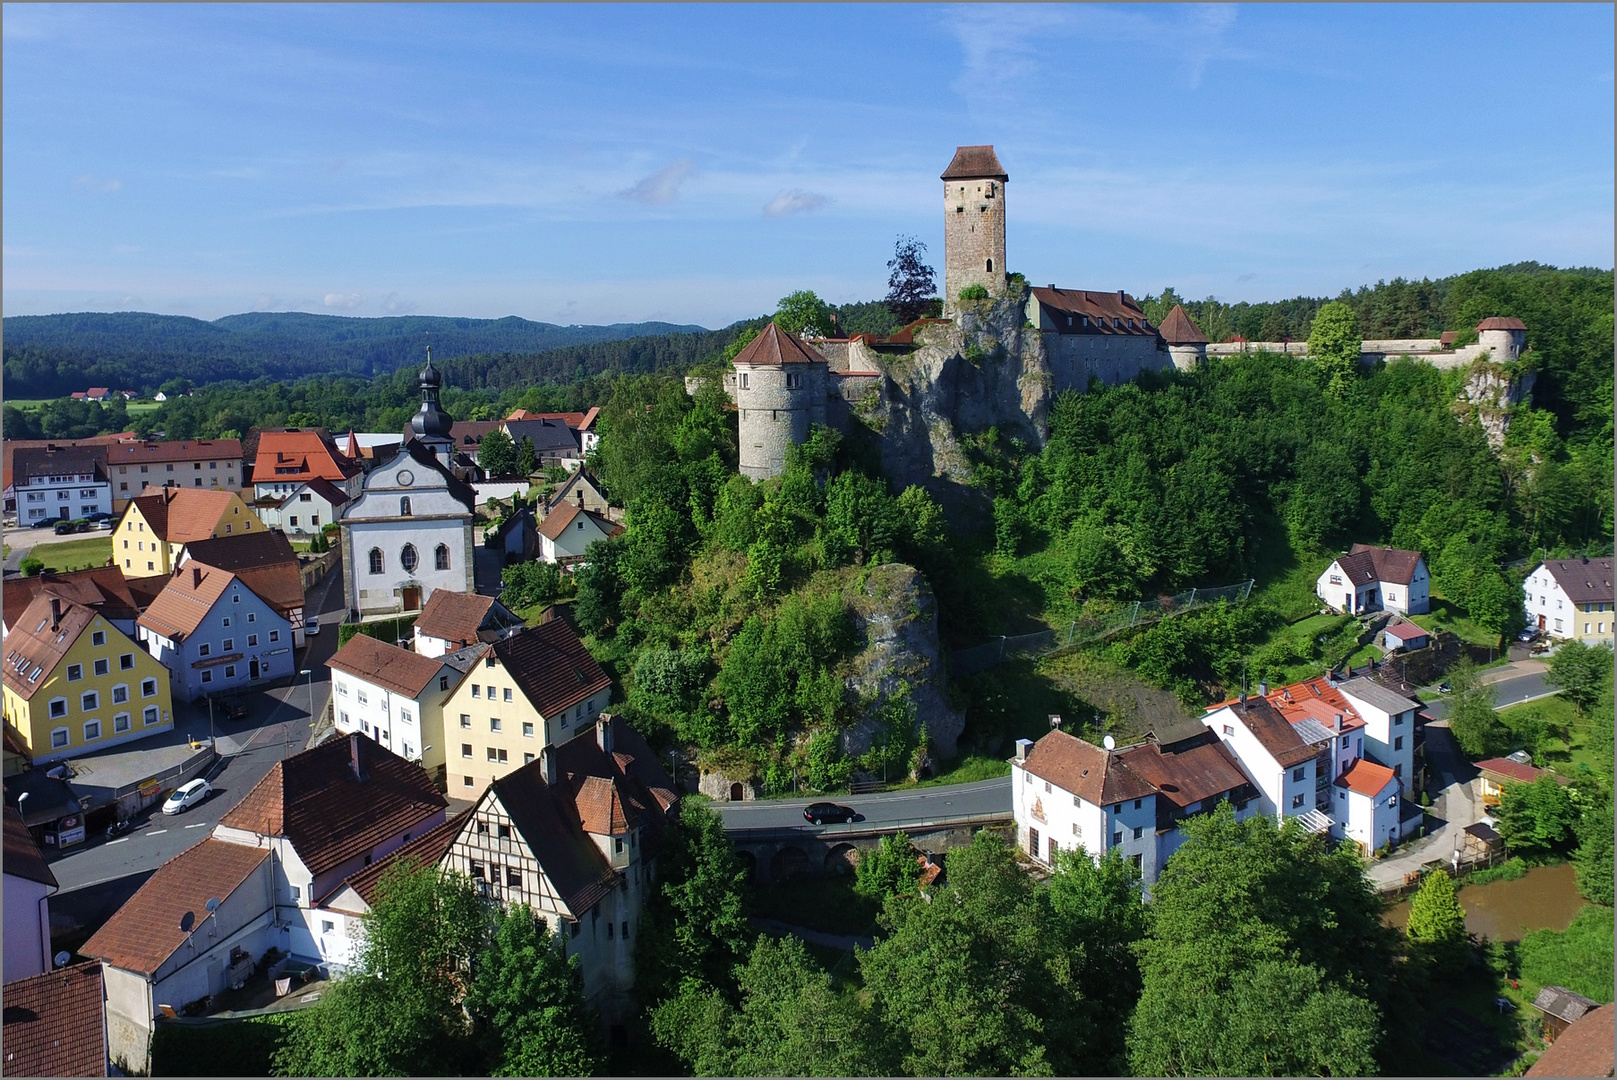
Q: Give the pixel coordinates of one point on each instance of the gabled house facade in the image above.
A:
(286, 458)
(158, 522)
(306, 509)
(1371, 578)
(1367, 805)
(214, 634)
(134, 465)
(263, 561)
(395, 696)
(568, 531)
(452, 620)
(74, 682)
(530, 690)
(582, 489)
(574, 834)
(1571, 599)
(61, 482)
(1068, 794)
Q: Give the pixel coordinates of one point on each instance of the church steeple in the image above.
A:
(431, 425)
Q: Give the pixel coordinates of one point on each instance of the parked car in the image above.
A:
(311, 627)
(186, 796)
(1527, 635)
(45, 523)
(98, 516)
(826, 813)
(65, 527)
(234, 708)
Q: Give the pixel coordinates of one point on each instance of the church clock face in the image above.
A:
(406, 477)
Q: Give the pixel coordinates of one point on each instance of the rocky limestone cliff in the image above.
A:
(896, 616)
(1490, 390)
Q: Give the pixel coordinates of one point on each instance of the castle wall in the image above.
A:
(1077, 358)
(1426, 350)
(777, 405)
(1187, 357)
(973, 238)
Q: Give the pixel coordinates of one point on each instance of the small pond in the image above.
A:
(1546, 897)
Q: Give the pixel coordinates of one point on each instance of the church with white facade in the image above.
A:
(410, 531)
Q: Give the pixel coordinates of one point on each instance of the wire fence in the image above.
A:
(1100, 620)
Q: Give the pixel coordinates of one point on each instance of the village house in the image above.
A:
(581, 488)
(263, 561)
(1571, 599)
(531, 689)
(60, 482)
(396, 697)
(214, 634)
(306, 509)
(554, 443)
(157, 523)
(325, 814)
(285, 458)
(1494, 773)
(1068, 794)
(1367, 812)
(134, 465)
(75, 682)
(55, 1023)
(574, 834)
(582, 424)
(101, 588)
(569, 530)
(452, 620)
(1376, 579)
(28, 886)
(193, 930)
(517, 537)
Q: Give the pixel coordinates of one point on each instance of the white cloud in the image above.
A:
(344, 301)
(795, 201)
(662, 186)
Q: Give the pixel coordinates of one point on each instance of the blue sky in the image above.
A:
(694, 163)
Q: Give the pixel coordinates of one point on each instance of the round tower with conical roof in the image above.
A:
(779, 389)
(1187, 345)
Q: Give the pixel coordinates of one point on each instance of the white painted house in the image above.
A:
(307, 509)
(59, 482)
(1367, 810)
(1068, 794)
(569, 530)
(395, 696)
(1376, 579)
(1571, 599)
(214, 634)
(28, 884)
(1389, 726)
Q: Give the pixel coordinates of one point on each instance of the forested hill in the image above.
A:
(53, 355)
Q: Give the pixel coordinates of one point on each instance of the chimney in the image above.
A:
(1243, 699)
(1263, 687)
(1337, 725)
(196, 577)
(603, 732)
(1022, 747)
(56, 612)
(547, 763)
(353, 757)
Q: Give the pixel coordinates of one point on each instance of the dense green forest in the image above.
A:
(53, 355)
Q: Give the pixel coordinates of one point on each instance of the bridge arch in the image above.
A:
(789, 862)
(842, 859)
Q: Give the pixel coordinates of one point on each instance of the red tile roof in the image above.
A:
(22, 856)
(1186, 773)
(103, 588)
(1365, 777)
(180, 515)
(264, 561)
(1104, 310)
(460, 618)
(774, 347)
(425, 850)
(144, 933)
(1407, 631)
(55, 1023)
(551, 666)
(1365, 563)
(1273, 732)
(1097, 776)
(40, 640)
(1178, 329)
(298, 454)
(1515, 772)
(396, 670)
(1583, 1049)
(314, 800)
(975, 163)
(1498, 323)
(186, 600)
(173, 450)
(557, 521)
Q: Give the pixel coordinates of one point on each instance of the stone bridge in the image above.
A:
(781, 854)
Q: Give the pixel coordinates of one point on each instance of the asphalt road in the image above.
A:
(1511, 690)
(249, 748)
(885, 808)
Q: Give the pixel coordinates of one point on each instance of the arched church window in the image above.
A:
(408, 559)
(440, 558)
(404, 506)
(990, 266)
(376, 560)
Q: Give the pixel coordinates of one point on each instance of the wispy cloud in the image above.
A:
(662, 186)
(343, 301)
(795, 201)
(398, 305)
(90, 183)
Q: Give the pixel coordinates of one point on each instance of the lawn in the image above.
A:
(75, 554)
(1453, 617)
(1565, 743)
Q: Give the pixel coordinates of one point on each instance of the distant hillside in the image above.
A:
(53, 355)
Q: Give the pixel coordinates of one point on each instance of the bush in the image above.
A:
(888, 870)
(530, 583)
(31, 566)
(974, 292)
(1579, 958)
(393, 631)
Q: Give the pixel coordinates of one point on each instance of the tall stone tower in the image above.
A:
(779, 389)
(973, 224)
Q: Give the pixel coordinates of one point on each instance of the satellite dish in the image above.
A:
(213, 904)
(1109, 742)
(1055, 721)
(188, 920)
(62, 958)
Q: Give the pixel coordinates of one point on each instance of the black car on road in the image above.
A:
(825, 813)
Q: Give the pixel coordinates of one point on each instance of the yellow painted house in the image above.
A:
(160, 521)
(74, 682)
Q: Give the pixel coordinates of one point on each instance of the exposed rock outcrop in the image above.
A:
(1490, 390)
(896, 615)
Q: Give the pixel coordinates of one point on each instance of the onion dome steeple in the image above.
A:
(431, 422)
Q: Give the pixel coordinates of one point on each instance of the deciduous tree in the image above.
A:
(496, 454)
(911, 283)
(1333, 344)
(1583, 672)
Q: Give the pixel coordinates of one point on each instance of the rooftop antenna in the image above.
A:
(62, 958)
